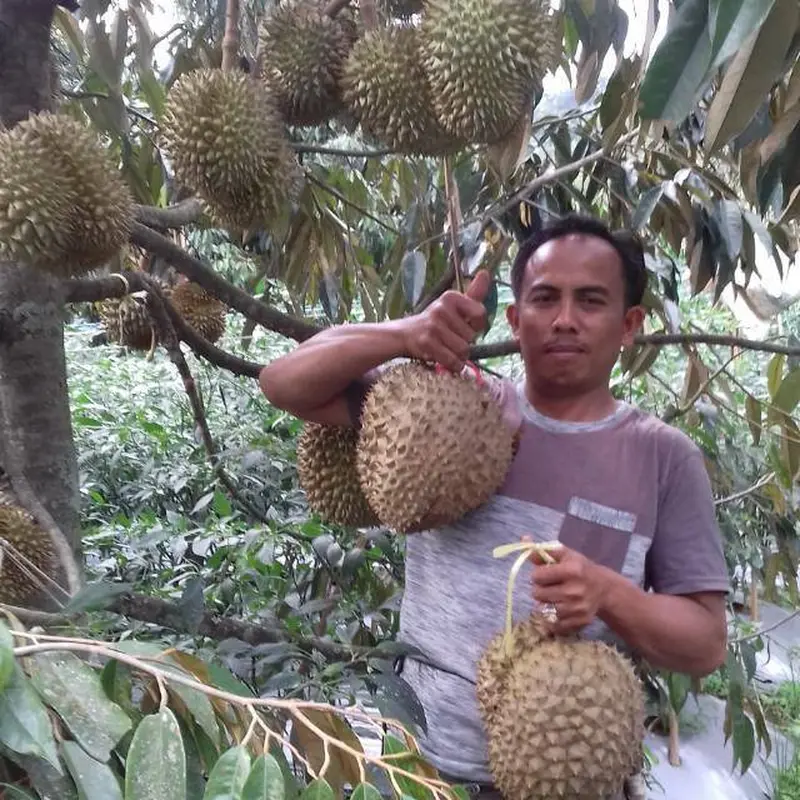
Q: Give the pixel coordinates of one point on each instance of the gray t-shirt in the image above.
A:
(629, 492)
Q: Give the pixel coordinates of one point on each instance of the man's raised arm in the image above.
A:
(313, 380)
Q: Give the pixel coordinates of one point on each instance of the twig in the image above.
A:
(768, 629)
(230, 41)
(348, 202)
(550, 177)
(169, 339)
(294, 707)
(745, 492)
(195, 270)
(453, 220)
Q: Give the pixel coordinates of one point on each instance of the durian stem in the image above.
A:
(453, 219)
(369, 14)
(230, 42)
(526, 549)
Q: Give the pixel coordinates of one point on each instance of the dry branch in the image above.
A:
(195, 270)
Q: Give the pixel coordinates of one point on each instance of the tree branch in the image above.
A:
(510, 347)
(167, 614)
(90, 291)
(230, 41)
(550, 177)
(335, 6)
(194, 269)
(175, 216)
(302, 147)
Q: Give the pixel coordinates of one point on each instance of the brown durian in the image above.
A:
(433, 447)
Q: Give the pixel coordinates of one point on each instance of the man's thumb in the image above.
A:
(479, 286)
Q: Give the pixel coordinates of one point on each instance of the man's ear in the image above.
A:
(634, 319)
(512, 315)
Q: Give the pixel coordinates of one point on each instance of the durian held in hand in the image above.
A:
(564, 716)
(432, 445)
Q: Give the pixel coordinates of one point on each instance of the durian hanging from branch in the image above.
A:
(302, 52)
(228, 144)
(64, 207)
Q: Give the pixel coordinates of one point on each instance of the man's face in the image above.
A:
(570, 319)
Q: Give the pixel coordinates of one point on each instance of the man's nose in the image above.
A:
(565, 319)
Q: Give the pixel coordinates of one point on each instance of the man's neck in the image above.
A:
(589, 407)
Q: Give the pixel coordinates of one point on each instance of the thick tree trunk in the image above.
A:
(35, 423)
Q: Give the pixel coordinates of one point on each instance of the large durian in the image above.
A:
(482, 59)
(64, 207)
(128, 321)
(228, 144)
(326, 469)
(564, 716)
(28, 558)
(202, 311)
(385, 89)
(433, 447)
(302, 51)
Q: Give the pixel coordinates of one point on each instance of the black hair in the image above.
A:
(626, 244)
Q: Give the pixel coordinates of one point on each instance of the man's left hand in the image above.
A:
(573, 584)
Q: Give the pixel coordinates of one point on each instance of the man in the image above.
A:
(628, 497)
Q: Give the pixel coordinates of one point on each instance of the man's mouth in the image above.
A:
(563, 347)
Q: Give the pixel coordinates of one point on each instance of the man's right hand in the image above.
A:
(445, 331)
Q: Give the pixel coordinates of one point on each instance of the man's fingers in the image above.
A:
(459, 324)
(550, 574)
(479, 286)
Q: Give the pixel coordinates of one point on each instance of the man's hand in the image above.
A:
(444, 332)
(573, 584)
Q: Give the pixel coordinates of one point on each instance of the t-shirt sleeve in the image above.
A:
(687, 554)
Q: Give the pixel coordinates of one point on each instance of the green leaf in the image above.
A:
(222, 506)
(265, 781)
(678, 66)
(318, 789)
(731, 22)
(229, 775)
(753, 409)
(748, 79)
(365, 791)
(96, 596)
(95, 781)
(24, 724)
(788, 394)
(647, 204)
(155, 768)
(413, 267)
(6, 655)
(775, 373)
(75, 692)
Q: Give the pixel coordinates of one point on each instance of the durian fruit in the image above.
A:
(482, 59)
(64, 207)
(127, 321)
(385, 89)
(203, 312)
(228, 144)
(564, 716)
(326, 469)
(302, 51)
(21, 569)
(433, 447)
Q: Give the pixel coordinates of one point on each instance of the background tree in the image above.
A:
(183, 510)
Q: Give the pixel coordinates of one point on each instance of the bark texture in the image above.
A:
(35, 423)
